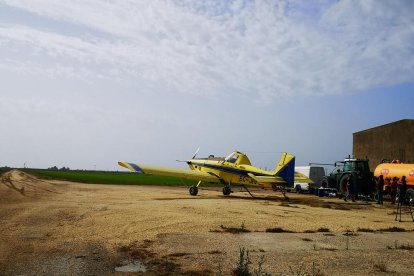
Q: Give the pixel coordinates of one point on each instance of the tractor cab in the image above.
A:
(356, 165)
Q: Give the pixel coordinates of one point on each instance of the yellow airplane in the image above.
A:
(234, 170)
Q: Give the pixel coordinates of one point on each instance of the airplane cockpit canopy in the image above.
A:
(232, 158)
(238, 158)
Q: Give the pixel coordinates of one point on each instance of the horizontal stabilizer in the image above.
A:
(267, 179)
(301, 178)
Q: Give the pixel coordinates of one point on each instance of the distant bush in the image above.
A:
(365, 230)
(392, 229)
(278, 230)
(323, 229)
(380, 267)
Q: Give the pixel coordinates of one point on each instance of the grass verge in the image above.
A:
(115, 178)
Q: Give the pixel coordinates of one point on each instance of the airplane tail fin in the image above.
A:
(286, 168)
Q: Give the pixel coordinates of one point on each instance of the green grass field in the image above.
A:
(116, 178)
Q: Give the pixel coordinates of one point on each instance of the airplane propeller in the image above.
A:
(195, 154)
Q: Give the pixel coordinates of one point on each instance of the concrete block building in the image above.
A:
(391, 141)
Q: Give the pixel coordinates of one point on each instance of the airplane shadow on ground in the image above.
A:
(307, 200)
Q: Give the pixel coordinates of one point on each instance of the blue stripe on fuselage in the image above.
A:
(226, 169)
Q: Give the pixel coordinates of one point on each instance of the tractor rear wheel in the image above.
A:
(343, 184)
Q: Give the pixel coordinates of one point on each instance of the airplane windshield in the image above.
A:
(232, 158)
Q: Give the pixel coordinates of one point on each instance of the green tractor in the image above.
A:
(362, 176)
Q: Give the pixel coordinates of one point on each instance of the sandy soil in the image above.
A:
(63, 228)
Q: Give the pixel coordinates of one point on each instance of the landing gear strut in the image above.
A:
(248, 191)
(281, 189)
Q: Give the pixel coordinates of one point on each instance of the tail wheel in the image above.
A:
(193, 190)
(226, 190)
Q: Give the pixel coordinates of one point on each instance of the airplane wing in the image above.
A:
(187, 174)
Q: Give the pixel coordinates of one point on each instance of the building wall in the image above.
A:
(390, 141)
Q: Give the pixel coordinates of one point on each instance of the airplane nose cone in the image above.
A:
(190, 164)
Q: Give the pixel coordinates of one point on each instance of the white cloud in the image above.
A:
(259, 50)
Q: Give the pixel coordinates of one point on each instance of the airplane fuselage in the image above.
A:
(227, 172)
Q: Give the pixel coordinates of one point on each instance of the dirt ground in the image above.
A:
(64, 228)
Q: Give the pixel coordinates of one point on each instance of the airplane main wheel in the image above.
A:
(193, 190)
(226, 190)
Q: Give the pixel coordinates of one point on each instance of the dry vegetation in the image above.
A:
(55, 227)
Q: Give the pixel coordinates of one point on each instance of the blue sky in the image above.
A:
(89, 83)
